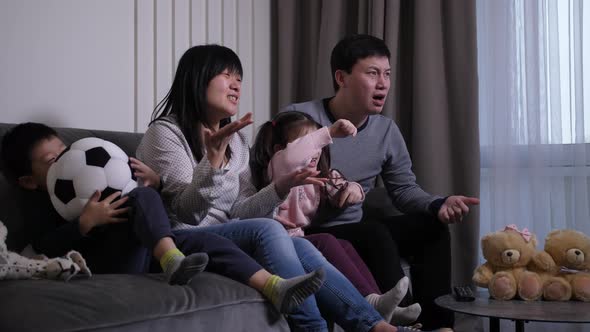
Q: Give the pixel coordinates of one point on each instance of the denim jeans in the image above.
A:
(151, 224)
(269, 244)
(383, 242)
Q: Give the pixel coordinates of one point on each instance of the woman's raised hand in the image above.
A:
(342, 128)
(216, 142)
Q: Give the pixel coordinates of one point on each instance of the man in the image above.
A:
(361, 77)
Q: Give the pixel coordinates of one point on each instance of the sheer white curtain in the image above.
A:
(534, 88)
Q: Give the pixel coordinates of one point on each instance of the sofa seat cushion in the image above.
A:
(135, 303)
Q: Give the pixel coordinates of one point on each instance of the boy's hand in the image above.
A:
(145, 173)
(342, 128)
(103, 212)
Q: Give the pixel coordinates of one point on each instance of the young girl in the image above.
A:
(292, 142)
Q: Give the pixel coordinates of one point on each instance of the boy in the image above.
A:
(113, 235)
(101, 233)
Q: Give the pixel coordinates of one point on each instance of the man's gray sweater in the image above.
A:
(377, 149)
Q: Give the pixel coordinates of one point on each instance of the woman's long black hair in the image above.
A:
(275, 132)
(187, 98)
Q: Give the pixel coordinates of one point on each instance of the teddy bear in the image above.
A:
(15, 266)
(508, 253)
(566, 258)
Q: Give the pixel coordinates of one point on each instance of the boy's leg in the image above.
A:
(115, 248)
(149, 217)
(427, 241)
(152, 227)
(269, 244)
(225, 258)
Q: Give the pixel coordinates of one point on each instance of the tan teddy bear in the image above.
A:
(567, 259)
(508, 253)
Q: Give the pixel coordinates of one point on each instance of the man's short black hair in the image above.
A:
(353, 48)
(18, 145)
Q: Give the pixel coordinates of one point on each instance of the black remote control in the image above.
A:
(463, 294)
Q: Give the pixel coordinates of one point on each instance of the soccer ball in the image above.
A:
(87, 165)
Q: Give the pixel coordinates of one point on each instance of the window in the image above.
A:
(534, 89)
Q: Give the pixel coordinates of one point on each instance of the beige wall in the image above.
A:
(104, 64)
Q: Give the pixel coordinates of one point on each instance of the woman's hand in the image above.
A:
(342, 128)
(298, 178)
(145, 173)
(216, 142)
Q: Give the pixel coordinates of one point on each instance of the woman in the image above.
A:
(204, 164)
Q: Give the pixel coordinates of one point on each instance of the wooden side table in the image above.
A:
(518, 311)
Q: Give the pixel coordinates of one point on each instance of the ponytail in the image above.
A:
(262, 152)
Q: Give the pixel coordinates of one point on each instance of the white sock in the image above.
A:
(386, 303)
(406, 315)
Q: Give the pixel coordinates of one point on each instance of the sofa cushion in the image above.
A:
(135, 303)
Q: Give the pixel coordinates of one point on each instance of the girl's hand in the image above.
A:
(286, 223)
(350, 195)
(96, 213)
(342, 128)
(145, 173)
(216, 142)
(298, 178)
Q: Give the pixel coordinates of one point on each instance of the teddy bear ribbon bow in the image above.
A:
(526, 235)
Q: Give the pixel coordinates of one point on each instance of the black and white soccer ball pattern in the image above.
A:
(87, 165)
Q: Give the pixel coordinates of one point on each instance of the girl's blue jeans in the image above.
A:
(269, 244)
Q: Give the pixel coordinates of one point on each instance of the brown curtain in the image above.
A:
(433, 100)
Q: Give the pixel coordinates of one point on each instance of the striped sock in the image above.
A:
(269, 287)
(170, 260)
(179, 269)
(287, 294)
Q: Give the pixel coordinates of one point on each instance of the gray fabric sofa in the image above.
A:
(123, 302)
